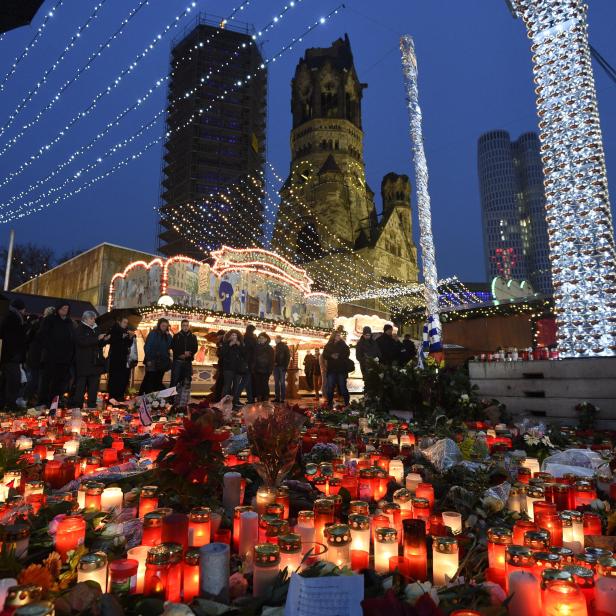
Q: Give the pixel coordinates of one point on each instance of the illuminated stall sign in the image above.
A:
(248, 282)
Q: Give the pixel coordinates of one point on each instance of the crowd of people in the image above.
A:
(53, 357)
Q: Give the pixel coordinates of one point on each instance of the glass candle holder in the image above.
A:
(190, 575)
(338, 538)
(453, 520)
(112, 498)
(532, 464)
(305, 529)
(351, 485)
(70, 534)
(421, 511)
(231, 491)
(365, 485)
(404, 499)
(275, 509)
(249, 535)
(584, 578)
(265, 496)
(562, 598)
(237, 512)
(323, 514)
(266, 568)
(93, 567)
(396, 470)
(584, 493)
(94, 491)
(412, 481)
(290, 546)
(123, 576)
(541, 507)
(148, 500)
(175, 529)
(517, 558)
(592, 523)
(173, 589)
(275, 528)
(560, 496)
(534, 494)
(543, 561)
(498, 540)
(199, 527)
(385, 546)
(360, 532)
(551, 523)
(283, 498)
(444, 560)
(426, 490)
(140, 554)
(152, 528)
(537, 540)
(156, 570)
(605, 587)
(415, 548)
(360, 507)
(521, 527)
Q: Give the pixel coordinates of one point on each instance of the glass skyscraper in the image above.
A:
(513, 209)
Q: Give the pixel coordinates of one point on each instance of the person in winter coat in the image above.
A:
(391, 348)
(319, 371)
(263, 367)
(58, 344)
(367, 348)
(89, 360)
(34, 356)
(157, 360)
(185, 347)
(13, 335)
(234, 363)
(218, 376)
(408, 349)
(120, 343)
(250, 347)
(337, 352)
(310, 364)
(282, 358)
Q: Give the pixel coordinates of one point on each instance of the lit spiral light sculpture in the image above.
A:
(581, 236)
(426, 240)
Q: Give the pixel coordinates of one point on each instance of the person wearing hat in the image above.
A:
(13, 335)
(58, 344)
(390, 346)
(366, 348)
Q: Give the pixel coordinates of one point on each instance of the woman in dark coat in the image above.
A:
(336, 353)
(263, 367)
(119, 349)
(235, 365)
(157, 360)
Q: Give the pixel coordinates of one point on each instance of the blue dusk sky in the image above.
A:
(475, 75)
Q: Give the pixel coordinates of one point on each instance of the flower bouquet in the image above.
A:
(273, 434)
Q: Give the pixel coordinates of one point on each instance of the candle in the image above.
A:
(71, 447)
(283, 498)
(415, 549)
(152, 528)
(421, 510)
(404, 498)
(359, 560)
(249, 534)
(231, 491)
(396, 470)
(517, 558)
(148, 500)
(123, 576)
(360, 532)
(17, 537)
(140, 554)
(93, 497)
(537, 540)
(453, 520)
(526, 600)
(274, 528)
(93, 568)
(214, 571)
(552, 523)
(156, 569)
(290, 546)
(425, 490)
(236, 525)
(338, 537)
(173, 589)
(543, 561)
(199, 527)
(70, 534)
(585, 581)
(385, 546)
(584, 494)
(520, 528)
(305, 529)
(592, 523)
(23, 443)
(361, 507)
(111, 498)
(532, 464)
(605, 588)
(323, 514)
(365, 485)
(175, 529)
(563, 598)
(266, 568)
(190, 575)
(444, 560)
(265, 496)
(498, 540)
(516, 500)
(33, 487)
(533, 494)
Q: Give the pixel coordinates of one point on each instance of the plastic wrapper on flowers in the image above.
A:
(583, 458)
(273, 433)
(500, 492)
(237, 443)
(443, 454)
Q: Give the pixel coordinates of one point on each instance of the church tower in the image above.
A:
(327, 208)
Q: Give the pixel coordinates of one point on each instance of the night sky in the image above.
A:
(475, 75)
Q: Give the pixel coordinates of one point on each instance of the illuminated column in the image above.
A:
(426, 240)
(581, 236)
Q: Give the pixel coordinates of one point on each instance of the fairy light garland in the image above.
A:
(91, 59)
(43, 80)
(30, 46)
(19, 213)
(579, 219)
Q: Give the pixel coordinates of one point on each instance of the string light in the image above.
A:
(43, 80)
(96, 54)
(581, 235)
(20, 213)
(116, 121)
(30, 46)
(110, 87)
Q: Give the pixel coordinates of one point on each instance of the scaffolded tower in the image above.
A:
(581, 236)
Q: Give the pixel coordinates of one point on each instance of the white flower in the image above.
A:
(155, 404)
(464, 398)
(547, 442)
(414, 591)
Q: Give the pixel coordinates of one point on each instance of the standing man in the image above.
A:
(89, 360)
(218, 377)
(367, 348)
(309, 368)
(409, 351)
(250, 349)
(58, 343)
(282, 357)
(120, 343)
(390, 347)
(184, 349)
(13, 335)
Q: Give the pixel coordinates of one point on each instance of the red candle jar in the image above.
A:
(521, 527)
(190, 575)
(425, 490)
(123, 576)
(200, 527)
(498, 540)
(90, 465)
(173, 589)
(524, 475)
(351, 485)
(117, 444)
(402, 565)
(415, 548)
(560, 496)
(156, 572)
(320, 483)
(175, 529)
(365, 484)
(283, 498)
(110, 456)
(592, 523)
(543, 561)
(53, 473)
(359, 507)
(333, 487)
(421, 511)
(552, 523)
(566, 555)
(152, 528)
(585, 494)
(93, 495)
(543, 507)
(537, 540)
(360, 560)
(378, 521)
(563, 597)
(585, 581)
(323, 514)
(70, 534)
(148, 500)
